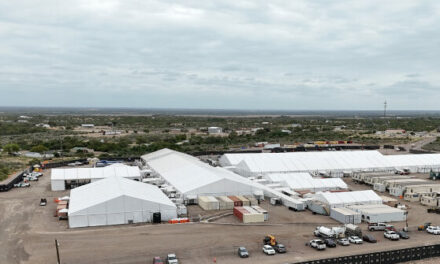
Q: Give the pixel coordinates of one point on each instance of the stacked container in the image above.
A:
(261, 210)
(251, 199)
(225, 203)
(237, 202)
(244, 200)
(208, 203)
(248, 214)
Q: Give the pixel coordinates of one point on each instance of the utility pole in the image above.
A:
(385, 109)
(58, 252)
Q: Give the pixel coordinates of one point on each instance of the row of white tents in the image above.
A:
(333, 163)
(302, 181)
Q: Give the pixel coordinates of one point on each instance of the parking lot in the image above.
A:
(28, 232)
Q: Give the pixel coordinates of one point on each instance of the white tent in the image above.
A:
(304, 181)
(117, 200)
(421, 163)
(87, 175)
(190, 176)
(342, 199)
(332, 162)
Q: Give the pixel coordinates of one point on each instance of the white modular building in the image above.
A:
(115, 201)
(345, 215)
(304, 181)
(215, 130)
(379, 213)
(343, 199)
(62, 179)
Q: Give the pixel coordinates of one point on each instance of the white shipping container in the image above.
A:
(225, 203)
(245, 201)
(345, 215)
(263, 211)
(208, 203)
(251, 199)
(253, 216)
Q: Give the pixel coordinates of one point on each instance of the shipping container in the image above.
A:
(225, 203)
(251, 199)
(253, 216)
(263, 211)
(345, 215)
(239, 212)
(243, 200)
(208, 203)
(237, 202)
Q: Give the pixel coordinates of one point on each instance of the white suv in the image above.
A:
(268, 250)
(391, 235)
(355, 240)
(318, 244)
(435, 230)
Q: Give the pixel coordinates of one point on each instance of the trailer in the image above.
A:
(345, 215)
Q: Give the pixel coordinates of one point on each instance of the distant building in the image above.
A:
(394, 132)
(22, 121)
(265, 123)
(43, 125)
(81, 149)
(296, 125)
(111, 133)
(215, 130)
(286, 131)
(87, 125)
(24, 117)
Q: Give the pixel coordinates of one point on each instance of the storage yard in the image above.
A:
(235, 218)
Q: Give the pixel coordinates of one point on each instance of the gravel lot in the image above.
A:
(28, 232)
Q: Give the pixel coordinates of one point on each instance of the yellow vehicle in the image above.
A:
(270, 240)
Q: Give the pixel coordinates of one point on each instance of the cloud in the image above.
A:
(224, 54)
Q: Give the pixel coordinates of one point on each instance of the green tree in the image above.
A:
(10, 148)
(39, 149)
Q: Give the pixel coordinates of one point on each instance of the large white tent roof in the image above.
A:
(105, 190)
(187, 173)
(304, 181)
(311, 161)
(96, 173)
(413, 160)
(346, 198)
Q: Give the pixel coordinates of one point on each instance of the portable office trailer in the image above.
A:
(208, 203)
(251, 199)
(263, 211)
(379, 213)
(379, 187)
(426, 188)
(414, 197)
(225, 203)
(345, 215)
(385, 179)
(389, 201)
(430, 201)
(405, 182)
(243, 200)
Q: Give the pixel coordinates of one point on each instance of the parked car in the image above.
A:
(318, 244)
(22, 184)
(31, 178)
(43, 202)
(369, 238)
(172, 259)
(377, 226)
(391, 235)
(343, 242)
(403, 234)
(157, 260)
(242, 252)
(435, 230)
(355, 240)
(268, 250)
(330, 242)
(280, 248)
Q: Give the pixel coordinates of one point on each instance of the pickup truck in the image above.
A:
(377, 227)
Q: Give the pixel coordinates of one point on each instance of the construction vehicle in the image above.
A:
(423, 227)
(270, 240)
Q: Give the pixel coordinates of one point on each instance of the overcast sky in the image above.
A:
(228, 54)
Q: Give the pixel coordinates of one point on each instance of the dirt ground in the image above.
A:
(28, 231)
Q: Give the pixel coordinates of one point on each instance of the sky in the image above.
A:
(229, 54)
